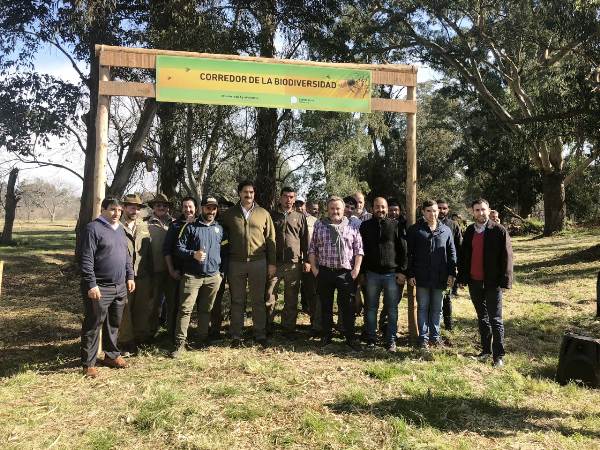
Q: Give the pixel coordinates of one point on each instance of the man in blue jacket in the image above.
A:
(199, 249)
(431, 268)
(107, 277)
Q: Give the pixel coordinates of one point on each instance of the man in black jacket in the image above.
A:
(444, 217)
(383, 265)
(486, 265)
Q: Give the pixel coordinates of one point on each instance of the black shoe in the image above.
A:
(314, 333)
(370, 345)
(289, 335)
(448, 325)
(498, 362)
(236, 343)
(262, 342)
(178, 350)
(354, 345)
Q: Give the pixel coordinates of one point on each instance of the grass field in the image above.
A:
(298, 396)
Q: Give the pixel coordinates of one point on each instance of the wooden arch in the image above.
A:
(141, 58)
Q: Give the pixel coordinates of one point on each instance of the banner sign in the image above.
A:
(270, 85)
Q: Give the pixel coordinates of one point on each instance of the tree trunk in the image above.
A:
(135, 150)
(10, 207)
(266, 118)
(170, 169)
(554, 202)
(97, 34)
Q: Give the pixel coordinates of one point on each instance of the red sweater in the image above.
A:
(477, 257)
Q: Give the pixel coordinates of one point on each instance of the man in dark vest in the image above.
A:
(107, 277)
(486, 266)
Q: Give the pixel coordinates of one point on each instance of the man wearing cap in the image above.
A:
(291, 237)
(199, 248)
(158, 225)
(251, 235)
(136, 327)
(173, 264)
(107, 276)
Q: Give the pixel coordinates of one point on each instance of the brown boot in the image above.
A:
(90, 372)
(117, 363)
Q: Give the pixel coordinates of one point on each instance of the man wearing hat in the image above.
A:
(136, 324)
(158, 225)
(199, 248)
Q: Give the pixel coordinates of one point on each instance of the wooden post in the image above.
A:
(101, 143)
(411, 198)
(1, 271)
(101, 155)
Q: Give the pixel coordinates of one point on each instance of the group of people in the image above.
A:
(135, 271)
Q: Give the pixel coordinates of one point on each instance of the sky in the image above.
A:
(53, 62)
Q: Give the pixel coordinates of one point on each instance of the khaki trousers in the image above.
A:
(136, 324)
(254, 275)
(195, 289)
(291, 274)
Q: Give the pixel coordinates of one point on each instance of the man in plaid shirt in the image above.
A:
(335, 255)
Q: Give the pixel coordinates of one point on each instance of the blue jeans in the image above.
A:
(429, 312)
(376, 282)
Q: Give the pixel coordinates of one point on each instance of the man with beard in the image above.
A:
(199, 249)
(444, 217)
(361, 208)
(384, 262)
(251, 236)
(486, 266)
(107, 277)
(136, 326)
(172, 262)
(335, 255)
(158, 225)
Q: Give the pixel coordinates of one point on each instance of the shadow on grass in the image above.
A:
(456, 414)
(533, 273)
(44, 359)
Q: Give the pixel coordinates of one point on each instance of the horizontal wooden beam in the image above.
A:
(130, 89)
(142, 58)
(127, 89)
(393, 105)
(394, 78)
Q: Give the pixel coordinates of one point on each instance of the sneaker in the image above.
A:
(325, 341)
(391, 347)
(483, 356)
(498, 362)
(236, 343)
(178, 350)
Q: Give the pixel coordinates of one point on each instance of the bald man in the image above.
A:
(384, 268)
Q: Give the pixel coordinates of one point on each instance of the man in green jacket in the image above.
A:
(136, 326)
(291, 234)
(251, 260)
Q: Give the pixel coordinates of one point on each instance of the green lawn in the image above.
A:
(298, 396)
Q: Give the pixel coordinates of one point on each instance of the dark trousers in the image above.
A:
(328, 281)
(447, 309)
(106, 313)
(216, 314)
(488, 305)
